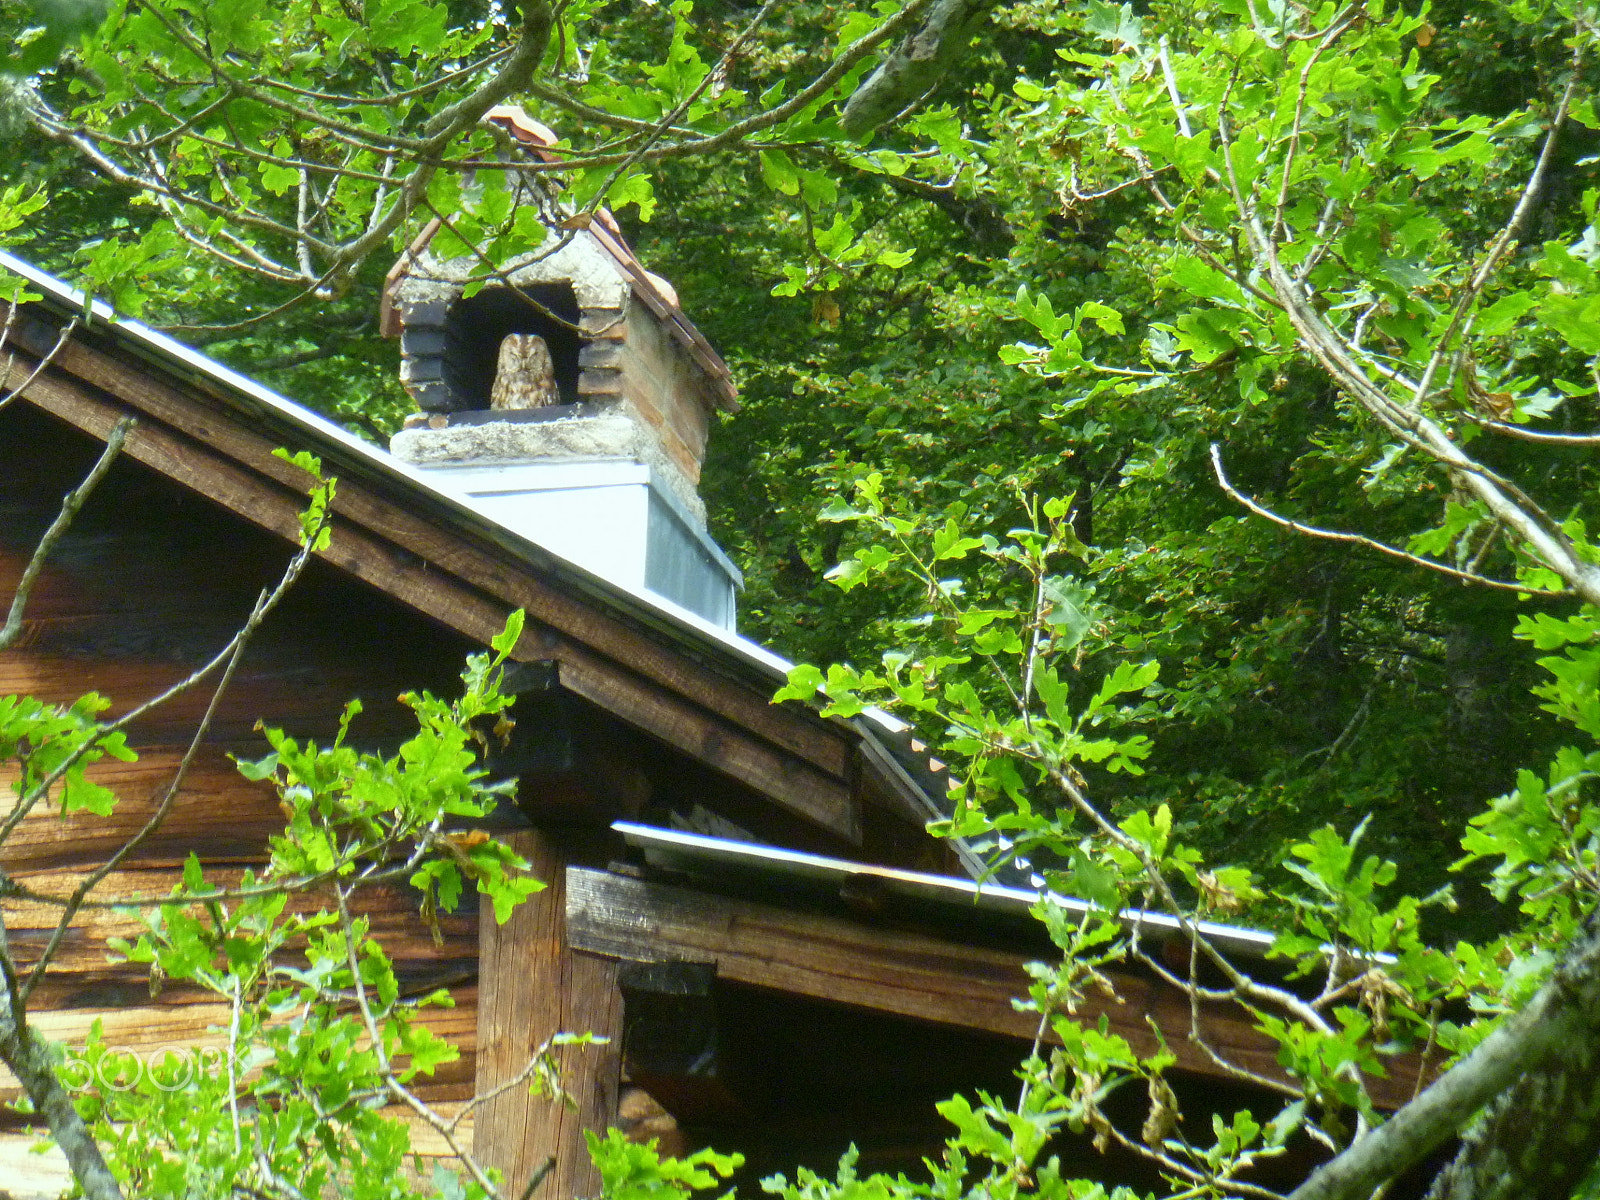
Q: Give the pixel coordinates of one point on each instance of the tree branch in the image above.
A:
(1558, 1029)
(914, 67)
(28, 1055)
(1524, 434)
(38, 369)
(1358, 539)
(265, 603)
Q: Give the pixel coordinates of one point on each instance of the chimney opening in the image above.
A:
(476, 325)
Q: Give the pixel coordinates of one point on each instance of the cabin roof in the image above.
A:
(435, 551)
(350, 457)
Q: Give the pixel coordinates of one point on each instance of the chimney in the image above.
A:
(569, 399)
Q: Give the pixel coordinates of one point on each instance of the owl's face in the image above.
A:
(525, 374)
(525, 354)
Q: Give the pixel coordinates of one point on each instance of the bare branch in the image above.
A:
(1336, 30)
(445, 1129)
(61, 340)
(671, 119)
(26, 802)
(913, 68)
(267, 601)
(1523, 434)
(388, 99)
(1561, 1016)
(1359, 539)
(31, 1061)
(70, 506)
(1505, 501)
(1459, 320)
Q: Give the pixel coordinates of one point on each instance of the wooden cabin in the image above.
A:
(743, 896)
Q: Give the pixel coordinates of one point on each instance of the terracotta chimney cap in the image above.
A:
(521, 126)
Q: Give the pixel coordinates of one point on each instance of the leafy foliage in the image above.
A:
(1338, 261)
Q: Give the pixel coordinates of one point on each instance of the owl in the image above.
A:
(525, 376)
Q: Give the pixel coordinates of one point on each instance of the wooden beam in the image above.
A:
(272, 506)
(530, 986)
(674, 1045)
(910, 974)
(817, 797)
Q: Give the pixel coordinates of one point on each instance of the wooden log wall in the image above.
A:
(156, 576)
(150, 582)
(705, 705)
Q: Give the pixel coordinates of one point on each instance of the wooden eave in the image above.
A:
(214, 431)
(877, 959)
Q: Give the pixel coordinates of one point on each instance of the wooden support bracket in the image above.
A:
(531, 985)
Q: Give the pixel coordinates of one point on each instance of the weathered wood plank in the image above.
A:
(911, 974)
(28, 1175)
(196, 1025)
(276, 509)
(819, 798)
(807, 792)
(81, 962)
(47, 839)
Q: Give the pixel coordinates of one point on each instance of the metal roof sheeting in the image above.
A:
(697, 853)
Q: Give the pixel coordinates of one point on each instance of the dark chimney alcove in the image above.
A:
(476, 325)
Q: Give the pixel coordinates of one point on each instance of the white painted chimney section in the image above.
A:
(613, 517)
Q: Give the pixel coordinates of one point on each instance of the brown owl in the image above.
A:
(525, 376)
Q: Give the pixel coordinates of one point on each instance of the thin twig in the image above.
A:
(61, 341)
(1459, 320)
(695, 93)
(241, 640)
(1336, 30)
(1359, 539)
(70, 506)
(445, 1129)
(1524, 434)
(26, 802)
(538, 1177)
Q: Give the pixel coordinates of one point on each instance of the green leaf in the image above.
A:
(62, 23)
(779, 173)
(1113, 23)
(1505, 312)
(1068, 609)
(805, 681)
(504, 642)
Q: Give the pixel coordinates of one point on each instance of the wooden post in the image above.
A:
(531, 985)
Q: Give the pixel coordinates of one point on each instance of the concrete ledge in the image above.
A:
(576, 439)
(507, 441)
